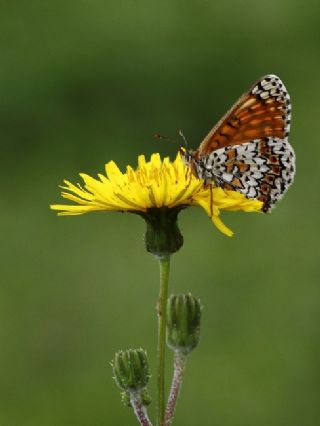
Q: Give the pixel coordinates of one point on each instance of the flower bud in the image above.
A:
(131, 370)
(183, 322)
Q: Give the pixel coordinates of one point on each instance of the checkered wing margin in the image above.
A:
(263, 111)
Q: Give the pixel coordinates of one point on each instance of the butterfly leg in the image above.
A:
(188, 172)
(209, 183)
(211, 199)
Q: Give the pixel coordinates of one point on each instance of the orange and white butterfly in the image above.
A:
(248, 150)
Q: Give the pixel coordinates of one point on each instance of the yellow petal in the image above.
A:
(153, 184)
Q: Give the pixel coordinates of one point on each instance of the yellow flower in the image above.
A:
(154, 184)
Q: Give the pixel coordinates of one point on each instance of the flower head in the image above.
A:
(152, 185)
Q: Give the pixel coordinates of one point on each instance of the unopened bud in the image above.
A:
(131, 370)
(183, 322)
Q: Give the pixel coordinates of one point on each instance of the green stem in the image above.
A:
(164, 263)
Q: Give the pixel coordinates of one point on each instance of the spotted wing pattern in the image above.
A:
(262, 169)
(263, 111)
(248, 150)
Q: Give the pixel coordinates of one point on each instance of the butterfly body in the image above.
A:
(248, 150)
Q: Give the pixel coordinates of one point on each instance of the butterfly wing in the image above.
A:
(262, 169)
(248, 150)
(265, 110)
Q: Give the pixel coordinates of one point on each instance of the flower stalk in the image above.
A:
(179, 369)
(164, 263)
(139, 410)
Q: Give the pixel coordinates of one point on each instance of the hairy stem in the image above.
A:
(140, 410)
(164, 263)
(179, 368)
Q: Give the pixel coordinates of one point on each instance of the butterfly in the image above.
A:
(248, 149)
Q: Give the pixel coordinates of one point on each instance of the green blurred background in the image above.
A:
(83, 82)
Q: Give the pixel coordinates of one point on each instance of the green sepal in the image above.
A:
(125, 398)
(163, 236)
(143, 395)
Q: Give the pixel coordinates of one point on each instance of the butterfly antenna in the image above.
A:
(165, 138)
(184, 138)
